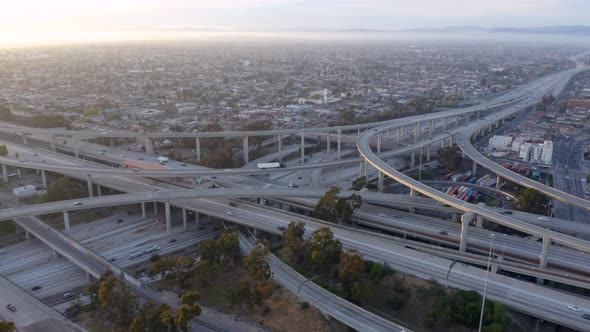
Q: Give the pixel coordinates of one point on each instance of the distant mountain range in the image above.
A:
(566, 29)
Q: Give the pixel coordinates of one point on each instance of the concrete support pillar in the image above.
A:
(412, 192)
(27, 235)
(88, 277)
(339, 138)
(112, 141)
(280, 142)
(337, 176)
(474, 169)
(445, 123)
(198, 148)
(66, 221)
(479, 221)
(76, 152)
(19, 173)
(155, 207)
(379, 142)
(403, 133)
(431, 131)
(412, 159)
(24, 139)
(545, 252)
(498, 180)
(149, 146)
(427, 152)
(302, 147)
(143, 212)
(450, 141)
(360, 169)
(168, 217)
(89, 183)
(5, 173)
(388, 133)
(246, 150)
(380, 182)
(328, 142)
(366, 168)
(399, 134)
(44, 178)
(98, 190)
(455, 217)
(464, 231)
(52, 142)
(197, 218)
(416, 132)
(358, 133)
(442, 143)
(477, 115)
(184, 219)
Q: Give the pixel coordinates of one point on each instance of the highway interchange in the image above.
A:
(516, 294)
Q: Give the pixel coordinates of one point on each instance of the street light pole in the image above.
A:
(485, 284)
(421, 149)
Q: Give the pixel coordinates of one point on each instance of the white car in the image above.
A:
(268, 185)
(77, 203)
(229, 213)
(544, 218)
(573, 308)
(382, 215)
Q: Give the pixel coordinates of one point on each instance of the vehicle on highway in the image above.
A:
(36, 288)
(2, 251)
(77, 203)
(68, 295)
(113, 259)
(268, 185)
(270, 165)
(544, 218)
(245, 233)
(586, 316)
(135, 255)
(507, 212)
(443, 233)
(382, 215)
(229, 213)
(136, 169)
(172, 241)
(281, 228)
(119, 221)
(293, 185)
(11, 307)
(233, 204)
(573, 308)
(151, 249)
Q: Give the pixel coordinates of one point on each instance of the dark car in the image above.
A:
(36, 288)
(172, 241)
(507, 212)
(119, 221)
(11, 307)
(233, 204)
(281, 228)
(443, 233)
(586, 316)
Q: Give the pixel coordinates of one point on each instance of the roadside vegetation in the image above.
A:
(420, 305)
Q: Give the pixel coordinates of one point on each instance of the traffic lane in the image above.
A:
(30, 315)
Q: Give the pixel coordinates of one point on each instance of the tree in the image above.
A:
(3, 150)
(359, 183)
(293, 234)
(332, 208)
(351, 267)
(6, 326)
(256, 264)
(206, 271)
(324, 249)
(63, 189)
(531, 200)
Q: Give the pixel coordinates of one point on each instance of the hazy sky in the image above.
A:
(69, 15)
